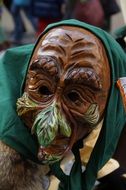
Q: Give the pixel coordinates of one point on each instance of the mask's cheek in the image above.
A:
(27, 109)
(84, 123)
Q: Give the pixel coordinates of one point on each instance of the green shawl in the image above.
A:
(13, 69)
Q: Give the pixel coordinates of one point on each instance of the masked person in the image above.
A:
(71, 83)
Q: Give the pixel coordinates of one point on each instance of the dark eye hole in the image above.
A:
(44, 91)
(73, 96)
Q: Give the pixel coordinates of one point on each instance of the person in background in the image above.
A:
(47, 11)
(7, 4)
(16, 8)
(4, 44)
(85, 10)
(70, 5)
(110, 8)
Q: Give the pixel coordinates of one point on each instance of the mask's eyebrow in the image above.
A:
(45, 64)
(85, 76)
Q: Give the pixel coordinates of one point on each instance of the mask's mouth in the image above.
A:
(55, 151)
(53, 133)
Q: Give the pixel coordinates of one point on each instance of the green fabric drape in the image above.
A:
(13, 69)
(120, 32)
(13, 65)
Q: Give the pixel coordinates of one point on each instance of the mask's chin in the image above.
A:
(61, 145)
(55, 151)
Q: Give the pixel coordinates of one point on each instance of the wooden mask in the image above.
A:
(66, 90)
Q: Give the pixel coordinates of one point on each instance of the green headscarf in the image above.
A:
(13, 69)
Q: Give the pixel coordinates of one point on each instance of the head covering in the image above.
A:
(13, 65)
(13, 69)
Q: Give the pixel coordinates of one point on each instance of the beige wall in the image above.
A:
(123, 7)
(117, 19)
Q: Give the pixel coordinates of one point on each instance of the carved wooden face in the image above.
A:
(66, 89)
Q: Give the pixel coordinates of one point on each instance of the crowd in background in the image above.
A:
(43, 12)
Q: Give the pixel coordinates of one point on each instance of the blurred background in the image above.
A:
(21, 23)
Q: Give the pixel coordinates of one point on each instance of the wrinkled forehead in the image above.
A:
(71, 45)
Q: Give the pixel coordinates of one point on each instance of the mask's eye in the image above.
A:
(73, 96)
(44, 90)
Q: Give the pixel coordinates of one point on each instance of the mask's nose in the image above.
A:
(49, 123)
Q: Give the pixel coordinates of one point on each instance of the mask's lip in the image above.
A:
(55, 148)
(63, 149)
